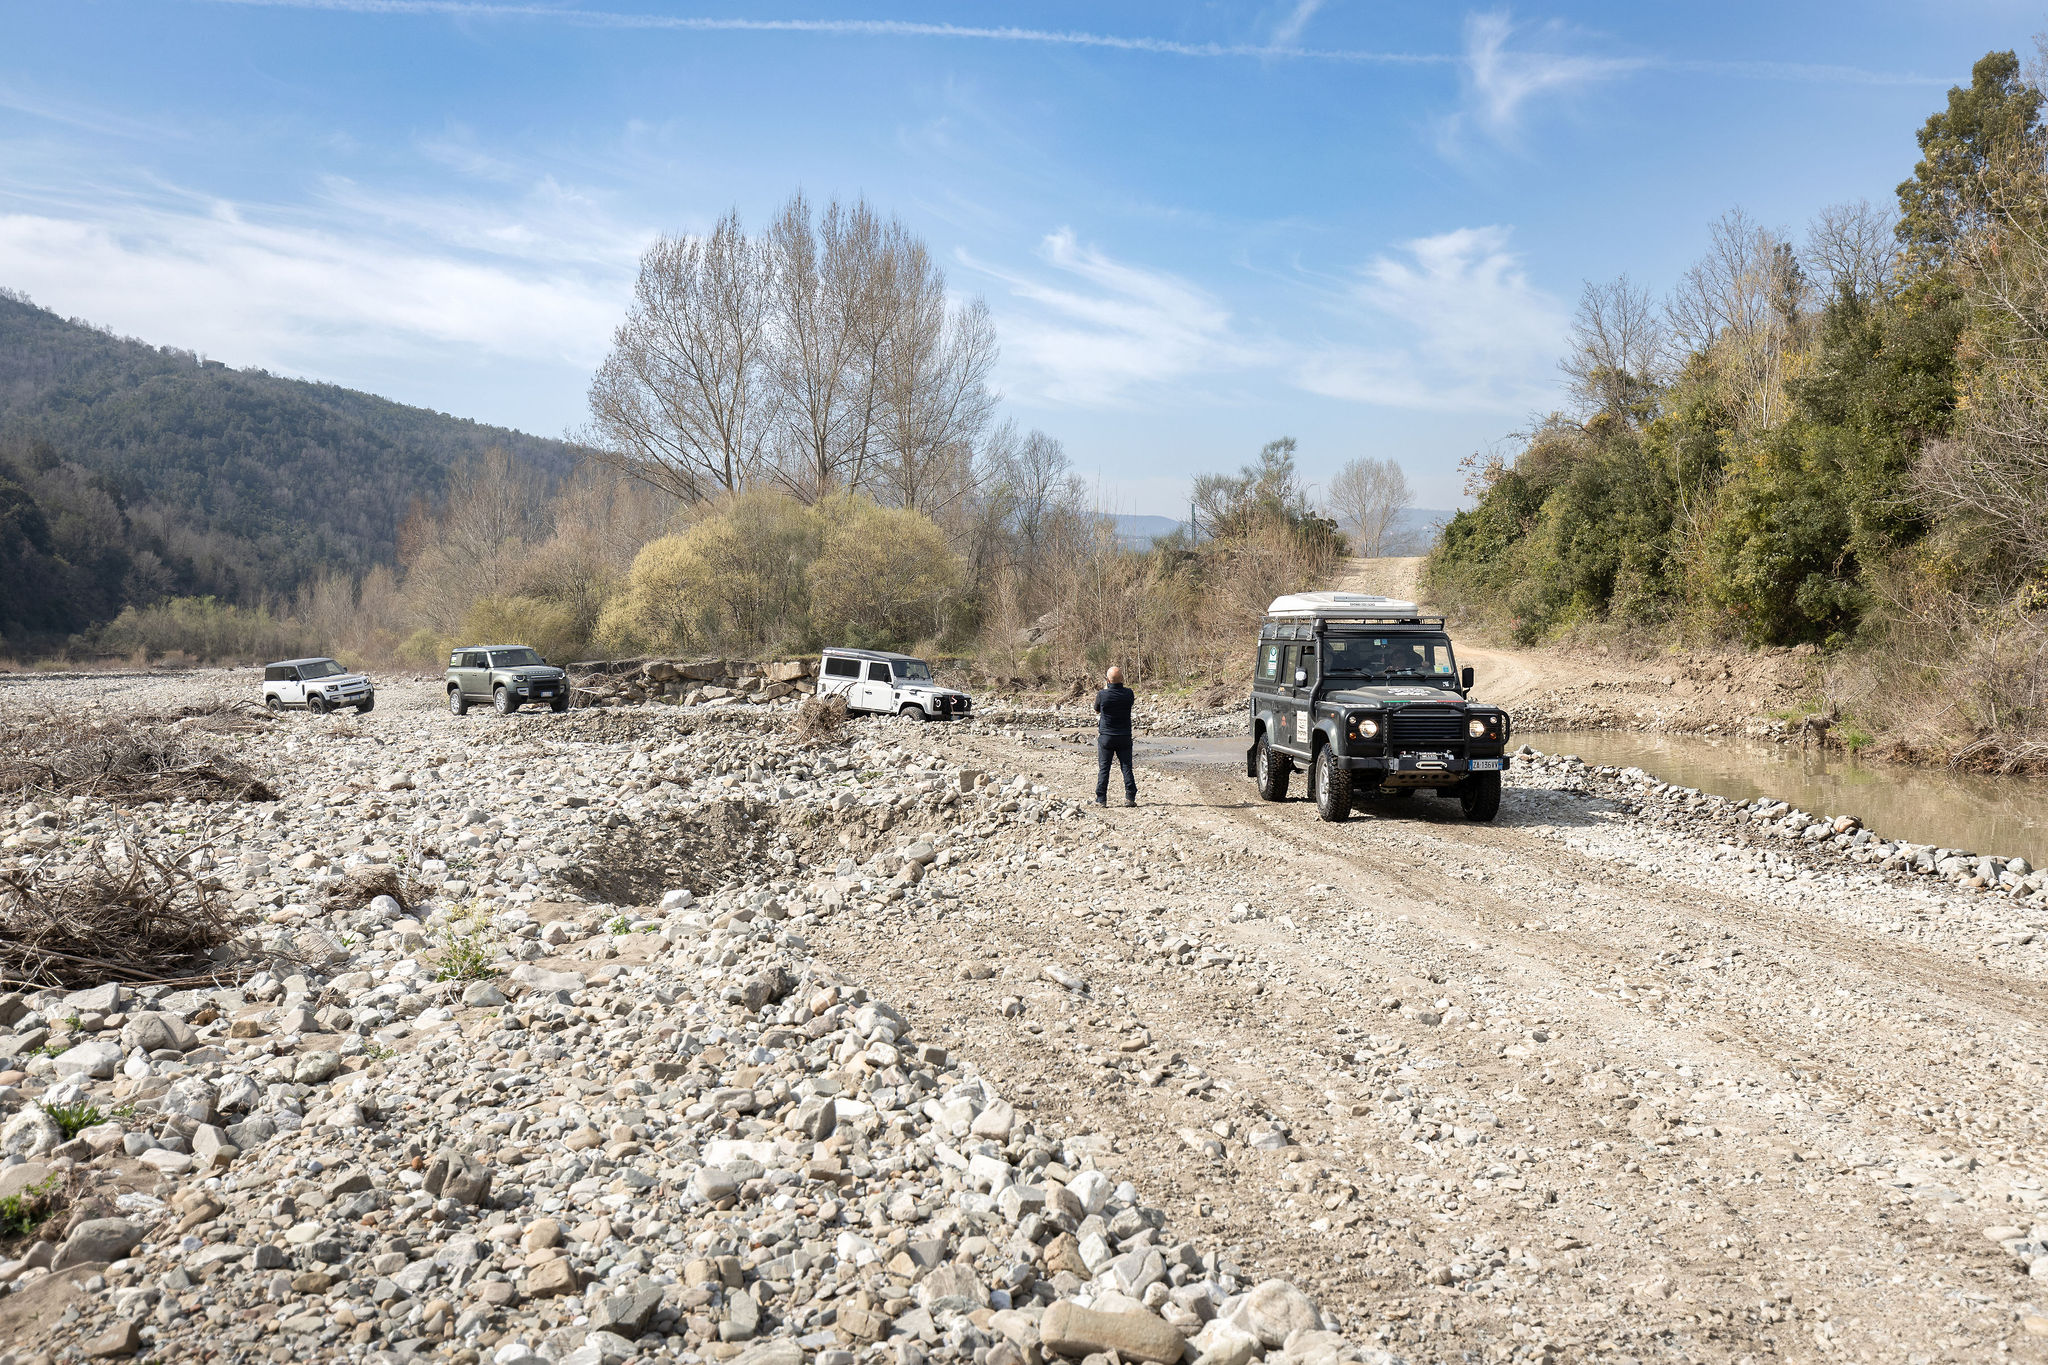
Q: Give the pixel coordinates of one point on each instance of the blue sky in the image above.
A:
(1199, 226)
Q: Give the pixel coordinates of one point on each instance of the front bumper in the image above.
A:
(1426, 764)
(542, 690)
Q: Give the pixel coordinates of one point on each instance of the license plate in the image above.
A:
(1487, 765)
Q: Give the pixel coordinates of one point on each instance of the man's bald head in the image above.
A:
(1116, 675)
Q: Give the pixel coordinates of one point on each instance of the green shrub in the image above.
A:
(23, 1213)
(74, 1118)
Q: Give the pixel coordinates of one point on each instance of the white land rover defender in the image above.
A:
(315, 685)
(888, 684)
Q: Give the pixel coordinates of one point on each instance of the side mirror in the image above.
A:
(1301, 677)
(1465, 677)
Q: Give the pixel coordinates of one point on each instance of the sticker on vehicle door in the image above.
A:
(1301, 727)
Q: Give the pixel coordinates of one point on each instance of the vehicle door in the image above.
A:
(1268, 687)
(876, 692)
(292, 691)
(1305, 676)
(475, 676)
(839, 677)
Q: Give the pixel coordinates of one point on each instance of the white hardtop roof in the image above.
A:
(1306, 606)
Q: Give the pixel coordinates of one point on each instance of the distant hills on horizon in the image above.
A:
(130, 471)
(1415, 529)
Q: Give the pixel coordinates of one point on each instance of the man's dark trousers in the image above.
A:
(1119, 748)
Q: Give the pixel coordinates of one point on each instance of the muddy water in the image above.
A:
(1999, 816)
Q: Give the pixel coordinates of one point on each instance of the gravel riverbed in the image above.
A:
(685, 1038)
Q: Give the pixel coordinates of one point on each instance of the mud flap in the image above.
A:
(1251, 760)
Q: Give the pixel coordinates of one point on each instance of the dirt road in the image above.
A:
(1600, 687)
(1566, 1086)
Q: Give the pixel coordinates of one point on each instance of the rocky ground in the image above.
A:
(683, 1038)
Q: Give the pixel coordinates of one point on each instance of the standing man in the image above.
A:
(1113, 737)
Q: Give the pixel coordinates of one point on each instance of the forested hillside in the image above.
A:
(130, 473)
(1840, 440)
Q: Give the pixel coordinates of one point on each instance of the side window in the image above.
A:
(1269, 662)
(473, 660)
(842, 668)
(455, 660)
(878, 672)
(273, 675)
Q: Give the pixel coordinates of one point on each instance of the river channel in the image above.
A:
(1997, 816)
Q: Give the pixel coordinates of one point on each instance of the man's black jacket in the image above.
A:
(1114, 704)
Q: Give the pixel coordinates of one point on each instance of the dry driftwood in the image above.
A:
(139, 916)
(132, 761)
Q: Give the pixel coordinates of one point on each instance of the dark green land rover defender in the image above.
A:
(1364, 694)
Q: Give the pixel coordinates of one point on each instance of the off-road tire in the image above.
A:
(1333, 787)
(367, 707)
(1480, 796)
(458, 705)
(503, 702)
(1274, 770)
(559, 704)
(273, 704)
(914, 712)
(316, 706)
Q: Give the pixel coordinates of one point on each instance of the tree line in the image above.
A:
(1839, 438)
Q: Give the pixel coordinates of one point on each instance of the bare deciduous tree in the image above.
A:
(683, 400)
(825, 355)
(1742, 304)
(1853, 247)
(1618, 351)
(1365, 498)
(814, 337)
(935, 398)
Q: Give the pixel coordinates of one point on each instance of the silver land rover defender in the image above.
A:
(1365, 694)
(506, 676)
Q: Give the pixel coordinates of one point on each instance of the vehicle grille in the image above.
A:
(1425, 727)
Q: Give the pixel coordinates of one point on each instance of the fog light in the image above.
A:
(1475, 728)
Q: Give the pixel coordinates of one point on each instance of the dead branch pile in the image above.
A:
(130, 761)
(358, 889)
(139, 916)
(820, 720)
(224, 718)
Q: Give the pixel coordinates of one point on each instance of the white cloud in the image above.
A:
(1290, 30)
(1501, 80)
(1108, 328)
(1444, 323)
(355, 275)
(1457, 324)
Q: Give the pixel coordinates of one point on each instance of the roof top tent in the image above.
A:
(1316, 611)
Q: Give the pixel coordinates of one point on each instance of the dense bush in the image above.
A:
(1845, 446)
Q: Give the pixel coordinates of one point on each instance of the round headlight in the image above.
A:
(1368, 727)
(1475, 728)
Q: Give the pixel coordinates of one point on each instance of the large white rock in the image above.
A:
(30, 1133)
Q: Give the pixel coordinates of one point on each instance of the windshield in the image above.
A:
(514, 658)
(1423, 657)
(913, 670)
(326, 668)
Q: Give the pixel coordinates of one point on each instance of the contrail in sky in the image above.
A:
(905, 28)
